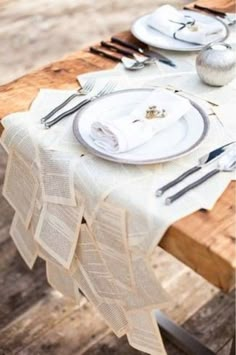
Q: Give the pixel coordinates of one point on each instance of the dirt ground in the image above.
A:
(35, 32)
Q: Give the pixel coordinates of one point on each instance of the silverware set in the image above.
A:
(129, 63)
(133, 56)
(152, 55)
(226, 165)
(88, 87)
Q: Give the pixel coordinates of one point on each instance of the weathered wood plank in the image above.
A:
(75, 330)
(6, 214)
(225, 350)
(214, 324)
(208, 325)
(20, 287)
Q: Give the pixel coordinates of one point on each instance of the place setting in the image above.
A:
(114, 121)
(179, 30)
(167, 29)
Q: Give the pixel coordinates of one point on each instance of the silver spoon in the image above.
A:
(129, 64)
(143, 59)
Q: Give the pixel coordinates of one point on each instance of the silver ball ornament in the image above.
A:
(216, 64)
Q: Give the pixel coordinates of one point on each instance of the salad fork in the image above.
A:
(108, 88)
(88, 86)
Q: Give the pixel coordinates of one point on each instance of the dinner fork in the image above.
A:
(109, 87)
(88, 86)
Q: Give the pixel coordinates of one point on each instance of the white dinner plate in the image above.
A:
(180, 139)
(154, 38)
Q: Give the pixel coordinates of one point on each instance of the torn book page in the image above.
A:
(17, 118)
(17, 137)
(134, 197)
(57, 177)
(144, 334)
(58, 231)
(148, 292)
(24, 241)
(110, 231)
(20, 187)
(43, 254)
(96, 178)
(96, 270)
(61, 280)
(112, 312)
(192, 84)
(225, 114)
(38, 205)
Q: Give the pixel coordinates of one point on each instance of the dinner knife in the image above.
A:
(147, 52)
(116, 49)
(203, 161)
(210, 11)
(98, 51)
(205, 9)
(218, 14)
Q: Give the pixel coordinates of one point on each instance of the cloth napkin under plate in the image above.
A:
(174, 23)
(128, 132)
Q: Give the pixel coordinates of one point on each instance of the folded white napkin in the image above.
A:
(169, 21)
(125, 133)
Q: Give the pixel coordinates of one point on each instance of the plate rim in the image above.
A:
(183, 49)
(108, 157)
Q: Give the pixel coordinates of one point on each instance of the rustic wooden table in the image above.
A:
(205, 241)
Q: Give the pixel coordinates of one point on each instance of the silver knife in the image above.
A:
(203, 161)
(146, 52)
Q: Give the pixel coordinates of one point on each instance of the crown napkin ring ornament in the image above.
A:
(152, 112)
(192, 27)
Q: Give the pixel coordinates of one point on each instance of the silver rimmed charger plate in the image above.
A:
(142, 31)
(180, 139)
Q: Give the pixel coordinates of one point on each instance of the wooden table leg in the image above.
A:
(180, 337)
(232, 351)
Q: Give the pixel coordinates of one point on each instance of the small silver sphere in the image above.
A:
(216, 64)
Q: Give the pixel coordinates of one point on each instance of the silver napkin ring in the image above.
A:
(152, 112)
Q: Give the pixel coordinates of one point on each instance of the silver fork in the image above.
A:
(88, 86)
(109, 87)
